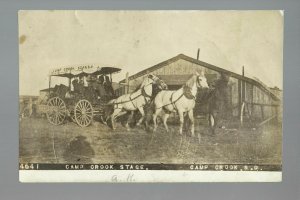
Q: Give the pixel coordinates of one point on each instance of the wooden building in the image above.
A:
(248, 96)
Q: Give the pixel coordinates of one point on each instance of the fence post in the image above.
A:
(127, 83)
(242, 113)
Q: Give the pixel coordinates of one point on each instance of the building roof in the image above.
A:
(206, 65)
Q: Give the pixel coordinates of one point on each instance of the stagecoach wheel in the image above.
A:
(83, 113)
(56, 111)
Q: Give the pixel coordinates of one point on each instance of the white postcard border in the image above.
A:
(147, 176)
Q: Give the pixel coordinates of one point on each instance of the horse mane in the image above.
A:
(137, 88)
(190, 82)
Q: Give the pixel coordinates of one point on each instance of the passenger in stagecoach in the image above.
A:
(101, 79)
(78, 86)
(75, 85)
(108, 86)
(99, 89)
(82, 80)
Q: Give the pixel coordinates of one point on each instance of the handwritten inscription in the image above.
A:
(127, 178)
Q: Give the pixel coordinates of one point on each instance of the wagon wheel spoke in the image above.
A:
(61, 114)
(80, 117)
(89, 116)
(61, 118)
(86, 121)
(55, 101)
(80, 106)
(56, 119)
(78, 109)
(83, 121)
(62, 108)
(61, 104)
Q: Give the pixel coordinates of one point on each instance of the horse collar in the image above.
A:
(187, 92)
(144, 93)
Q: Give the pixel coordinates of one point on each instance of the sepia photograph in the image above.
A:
(150, 96)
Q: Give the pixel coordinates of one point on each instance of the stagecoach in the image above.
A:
(65, 101)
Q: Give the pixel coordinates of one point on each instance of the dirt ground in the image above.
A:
(42, 142)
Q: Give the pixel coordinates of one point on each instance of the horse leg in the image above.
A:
(113, 116)
(107, 113)
(180, 113)
(191, 116)
(117, 112)
(165, 118)
(141, 109)
(157, 111)
(212, 121)
(128, 120)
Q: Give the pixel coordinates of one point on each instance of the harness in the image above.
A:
(173, 102)
(186, 92)
(143, 93)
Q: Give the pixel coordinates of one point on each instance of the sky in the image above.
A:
(136, 40)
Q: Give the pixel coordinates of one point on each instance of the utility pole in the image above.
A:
(198, 53)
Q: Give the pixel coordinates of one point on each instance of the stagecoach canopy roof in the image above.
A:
(75, 71)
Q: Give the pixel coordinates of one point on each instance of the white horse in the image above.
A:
(182, 101)
(136, 100)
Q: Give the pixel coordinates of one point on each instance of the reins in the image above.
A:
(143, 93)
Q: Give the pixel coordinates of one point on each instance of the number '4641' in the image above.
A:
(29, 166)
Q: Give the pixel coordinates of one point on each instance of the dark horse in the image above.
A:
(219, 102)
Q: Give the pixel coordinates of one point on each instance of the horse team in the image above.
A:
(154, 92)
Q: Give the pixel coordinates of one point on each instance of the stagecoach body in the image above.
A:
(64, 102)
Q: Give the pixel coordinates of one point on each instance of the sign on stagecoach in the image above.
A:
(77, 70)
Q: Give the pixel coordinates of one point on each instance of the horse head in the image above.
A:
(201, 80)
(152, 85)
(197, 80)
(154, 80)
